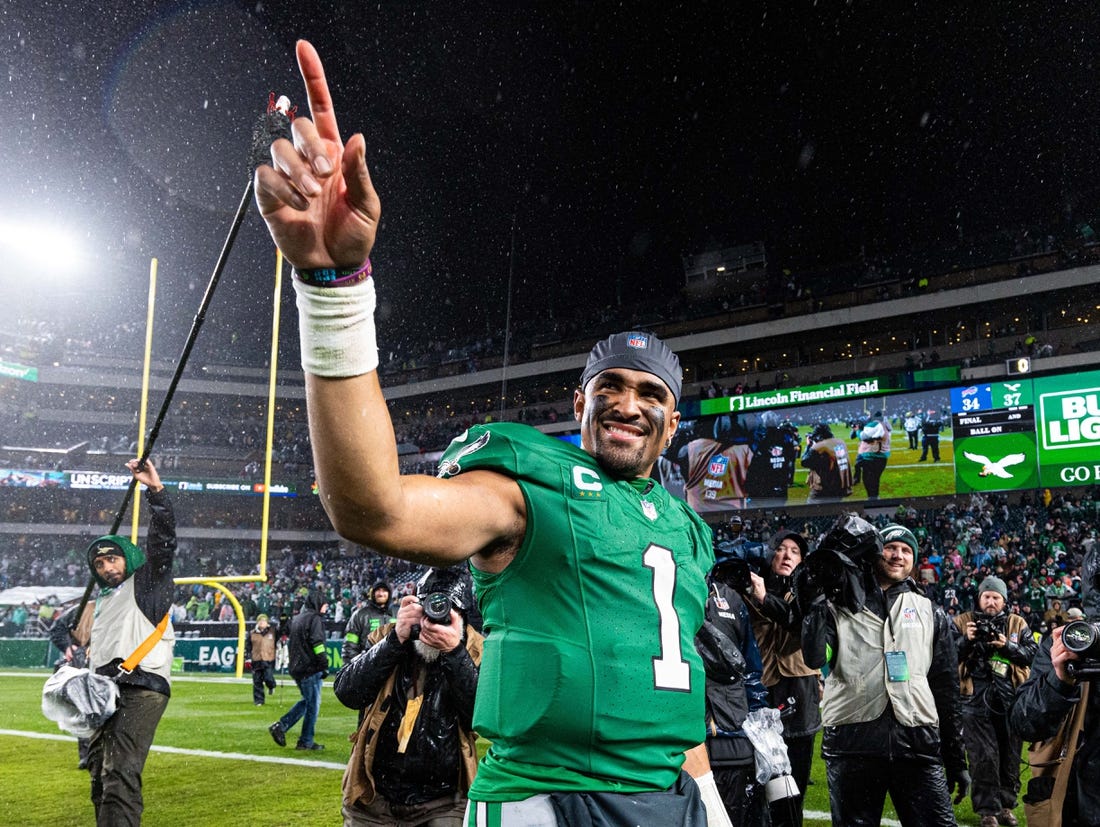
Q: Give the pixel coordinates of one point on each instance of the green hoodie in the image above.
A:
(134, 556)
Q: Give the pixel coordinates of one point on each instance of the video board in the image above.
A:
(110, 481)
(803, 445)
(1042, 432)
(1016, 434)
(1068, 414)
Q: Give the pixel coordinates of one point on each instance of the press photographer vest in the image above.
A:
(857, 689)
(119, 628)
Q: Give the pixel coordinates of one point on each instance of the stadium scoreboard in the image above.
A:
(993, 426)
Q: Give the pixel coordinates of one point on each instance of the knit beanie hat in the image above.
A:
(117, 546)
(898, 533)
(993, 584)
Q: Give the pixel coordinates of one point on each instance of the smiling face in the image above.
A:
(627, 417)
(895, 565)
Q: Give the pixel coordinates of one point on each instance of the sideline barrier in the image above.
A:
(212, 654)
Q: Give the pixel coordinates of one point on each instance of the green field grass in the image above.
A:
(241, 786)
(905, 476)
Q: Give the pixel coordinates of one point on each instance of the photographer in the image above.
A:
(415, 752)
(1045, 701)
(792, 686)
(995, 652)
(731, 660)
(829, 463)
(891, 700)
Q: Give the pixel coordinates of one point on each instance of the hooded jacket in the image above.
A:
(364, 620)
(306, 647)
(127, 614)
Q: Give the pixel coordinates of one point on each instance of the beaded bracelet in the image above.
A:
(333, 277)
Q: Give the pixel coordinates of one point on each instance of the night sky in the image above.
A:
(616, 136)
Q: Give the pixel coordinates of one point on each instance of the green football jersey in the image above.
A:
(589, 679)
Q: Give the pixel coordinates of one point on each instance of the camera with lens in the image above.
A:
(1082, 637)
(736, 560)
(437, 609)
(987, 628)
(439, 590)
(836, 568)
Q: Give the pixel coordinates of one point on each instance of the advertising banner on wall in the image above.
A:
(1068, 413)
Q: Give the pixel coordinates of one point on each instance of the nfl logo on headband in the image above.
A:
(635, 350)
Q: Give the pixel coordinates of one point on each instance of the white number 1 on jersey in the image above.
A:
(670, 670)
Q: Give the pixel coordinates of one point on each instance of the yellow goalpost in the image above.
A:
(218, 582)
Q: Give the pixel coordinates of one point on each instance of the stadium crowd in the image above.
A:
(1033, 541)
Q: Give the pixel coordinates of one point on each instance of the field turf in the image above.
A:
(227, 769)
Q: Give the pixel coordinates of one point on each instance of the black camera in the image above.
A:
(437, 607)
(988, 628)
(736, 560)
(836, 567)
(440, 590)
(1083, 638)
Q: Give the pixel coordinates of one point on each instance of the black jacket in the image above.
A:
(884, 736)
(306, 646)
(1042, 702)
(428, 768)
(731, 661)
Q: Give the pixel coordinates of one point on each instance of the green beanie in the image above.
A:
(898, 533)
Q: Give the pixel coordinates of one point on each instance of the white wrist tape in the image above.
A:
(336, 328)
(717, 816)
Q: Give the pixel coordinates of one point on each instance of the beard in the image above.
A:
(619, 460)
(428, 653)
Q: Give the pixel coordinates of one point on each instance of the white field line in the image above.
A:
(815, 815)
(202, 753)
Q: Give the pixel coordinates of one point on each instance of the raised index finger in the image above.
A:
(320, 102)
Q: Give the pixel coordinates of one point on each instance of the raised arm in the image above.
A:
(323, 212)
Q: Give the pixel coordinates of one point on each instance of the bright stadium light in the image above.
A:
(50, 250)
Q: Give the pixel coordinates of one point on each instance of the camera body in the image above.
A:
(988, 628)
(739, 558)
(437, 609)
